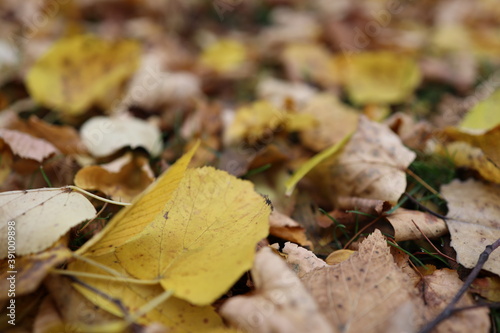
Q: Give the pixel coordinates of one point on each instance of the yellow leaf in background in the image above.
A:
(80, 71)
(310, 62)
(260, 119)
(204, 238)
(381, 77)
(40, 217)
(334, 120)
(464, 155)
(131, 220)
(484, 115)
(488, 142)
(225, 55)
(313, 162)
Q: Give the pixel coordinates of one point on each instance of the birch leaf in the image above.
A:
(40, 217)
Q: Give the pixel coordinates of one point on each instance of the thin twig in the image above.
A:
(415, 201)
(448, 311)
(432, 244)
(424, 184)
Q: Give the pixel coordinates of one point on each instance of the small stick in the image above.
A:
(432, 244)
(415, 201)
(424, 183)
(448, 311)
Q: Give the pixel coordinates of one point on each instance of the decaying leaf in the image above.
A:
(122, 180)
(32, 269)
(365, 292)
(64, 138)
(281, 303)
(334, 121)
(440, 288)
(403, 221)
(80, 71)
(105, 135)
(381, 77)
(27, 146)
(488, 287)
(286, 228)
(302, 261)
(372, 164)
(37, 218)
(473, 221)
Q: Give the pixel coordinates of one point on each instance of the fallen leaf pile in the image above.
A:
(249, 166)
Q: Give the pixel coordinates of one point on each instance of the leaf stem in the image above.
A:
(76, 188)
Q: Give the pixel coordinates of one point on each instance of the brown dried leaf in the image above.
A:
(474, 221)
(334, 121)
(372, 164)
(365, 292)
(440, 287)
(32, 269)
(26, 146)
(123, 179)
(301, 260)
(280, 304)
(404, 228)
(286, 228)
(64, 138)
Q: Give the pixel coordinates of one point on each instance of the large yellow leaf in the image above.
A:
(174, 313)
(131, 220)
(203, 240)
(80, 71)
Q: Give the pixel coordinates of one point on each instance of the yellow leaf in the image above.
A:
(313, 162)
(80, 71)
(261, 119)
(224, 56)
(131, 220)
(176, 314)
(336, 257)
(484, 115)
(40, 217)
(464, 155)
(308, 61)
(381, 77)
(488, 141)
(204, 238)
(334, 121)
